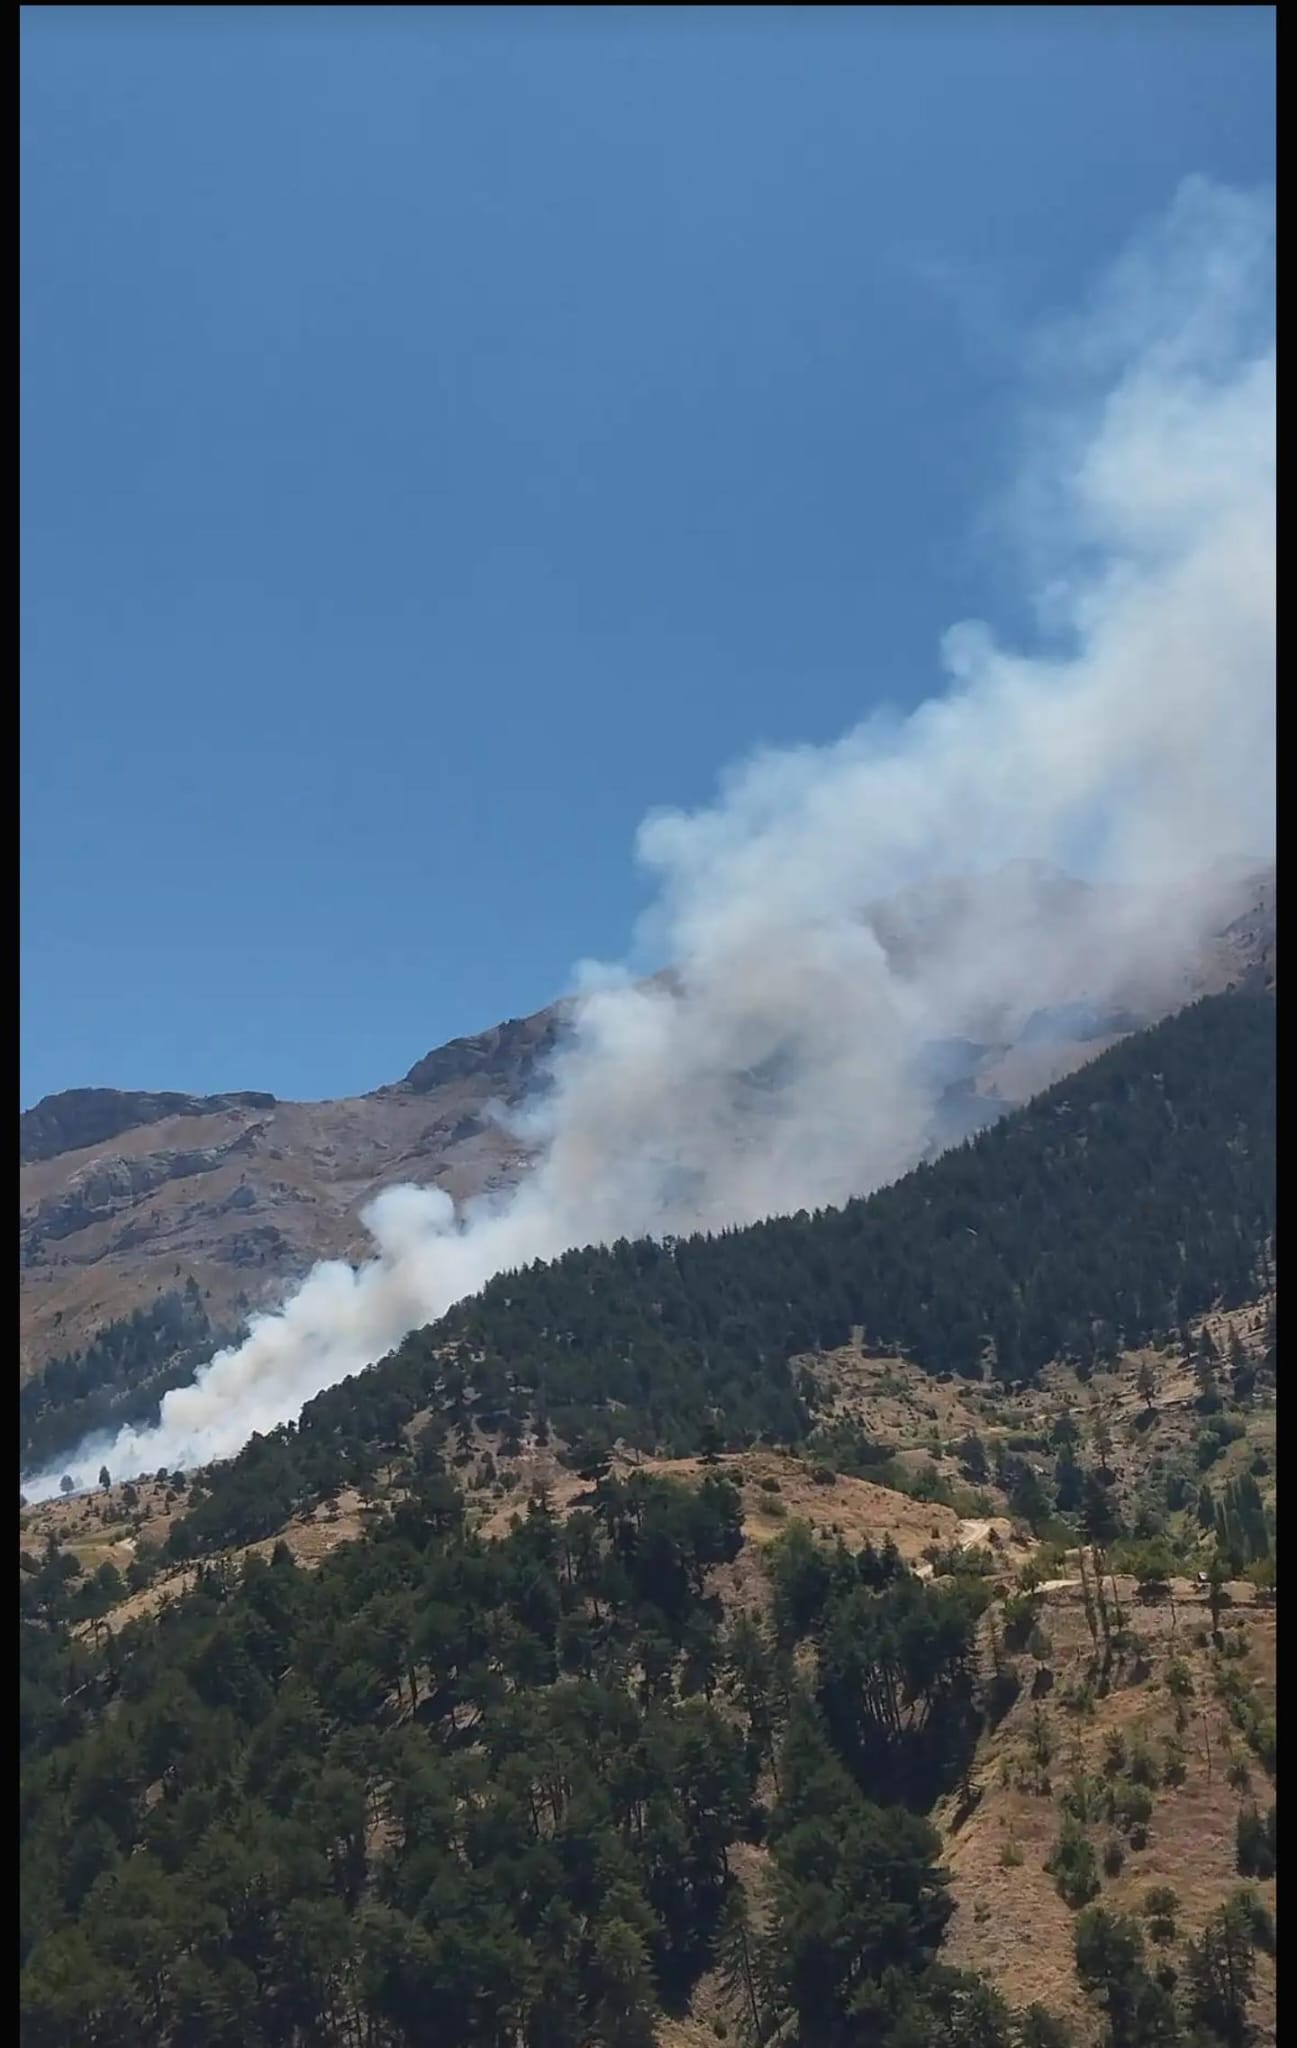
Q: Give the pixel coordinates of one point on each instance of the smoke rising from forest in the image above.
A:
(837, 911)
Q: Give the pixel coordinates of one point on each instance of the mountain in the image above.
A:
(1123, 1201)
(924, 1696)
(127, 1198)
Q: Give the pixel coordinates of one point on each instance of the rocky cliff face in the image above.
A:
(125, 1197)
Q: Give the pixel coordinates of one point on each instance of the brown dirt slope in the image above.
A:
(1010, 1922)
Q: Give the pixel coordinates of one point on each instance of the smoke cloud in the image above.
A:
(837, 911)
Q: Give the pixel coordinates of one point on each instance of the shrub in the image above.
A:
(1114, 1752)
(1254, 1844)
(1072, 1864)
(1019, 1620)
(1132, 1805)
(1161, 1905)
(1173, 1761)
(1082, 1797)
(1260, 1920)
(1141, 1765)
(1179, 1683)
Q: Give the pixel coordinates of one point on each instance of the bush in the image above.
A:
(1260, 1919)
(1072, 1864)
(1132, 1805)
(1212, 1440)
(1019, 1620)
(1151, 1565)
(1114, 1856)
(1262, 1738)
(1254, 1844)
(1142, 1768)
(1083, 1797)
(1161, 1906)
(1179, 1683)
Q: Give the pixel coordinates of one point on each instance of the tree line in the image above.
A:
(1109, 1212)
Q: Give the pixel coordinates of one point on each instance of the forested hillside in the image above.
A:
(119, 1378)
(1111, 1210)
(546, 1789)
(448, 1791)
(122, 1197)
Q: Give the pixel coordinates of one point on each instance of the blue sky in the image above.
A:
(447, 436)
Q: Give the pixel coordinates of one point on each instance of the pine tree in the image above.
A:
(743, 1969)
(1220, 1972)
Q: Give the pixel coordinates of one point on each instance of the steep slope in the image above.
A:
(124, 1196)
(513, 1739)
(1120, 1204)
(127, 1197)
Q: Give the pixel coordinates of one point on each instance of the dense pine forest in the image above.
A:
(504, 1793)
(1111, 1210)
(445, 1790)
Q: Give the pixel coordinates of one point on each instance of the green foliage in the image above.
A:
(1161, 1905)
(1255, 1843)
(547, 1849)
(1214, 1438)
(1038, 2028)
(444, 1789)
(857, 1894)
(120, 1378)
(1072, 1864)
(1151, 1565)
(1133, 1195)
(1020, 1611)
(1242, 1531)
(1220, 1971)
(1109, 1951)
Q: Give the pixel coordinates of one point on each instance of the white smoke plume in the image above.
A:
(778, 1066)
